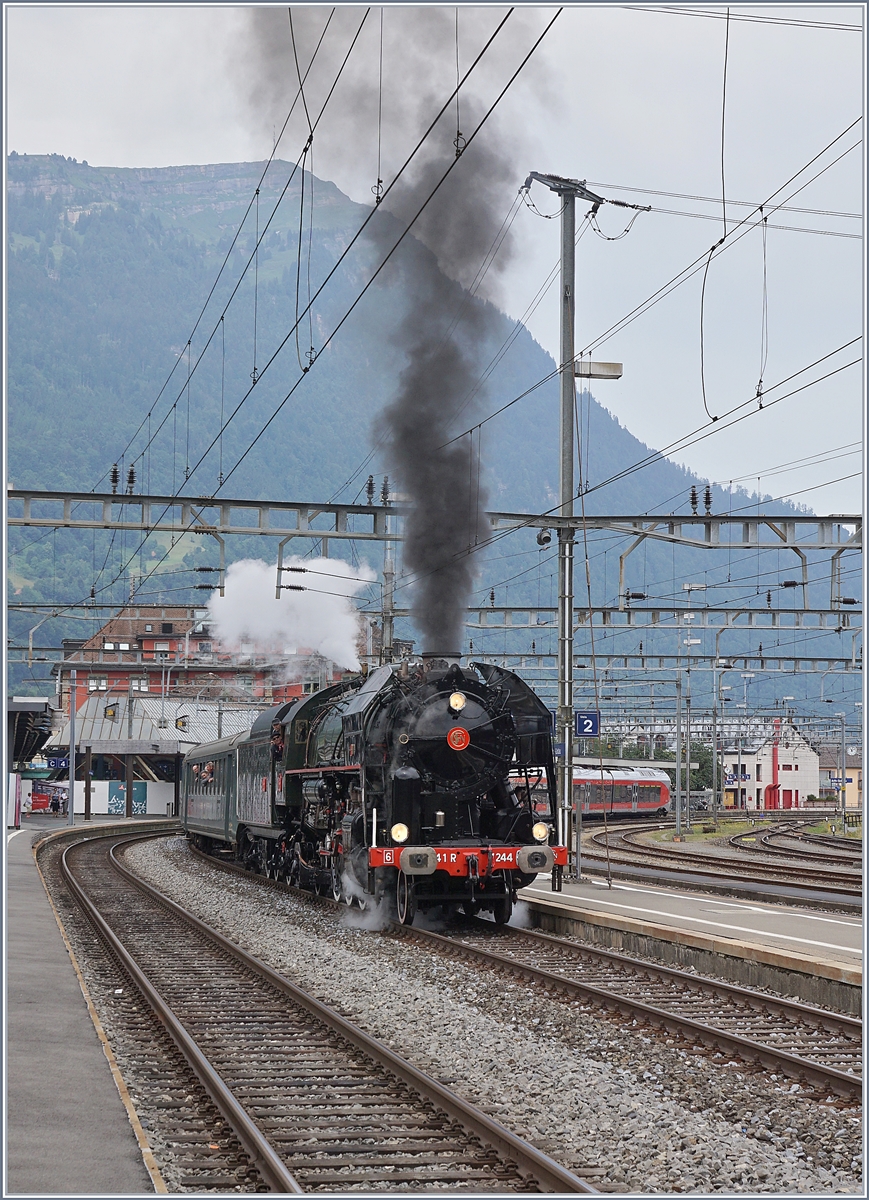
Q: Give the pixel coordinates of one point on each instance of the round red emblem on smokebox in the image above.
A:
(458, 738)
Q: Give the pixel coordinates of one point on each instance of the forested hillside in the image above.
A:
(108, 273)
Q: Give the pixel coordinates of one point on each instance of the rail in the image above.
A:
(192, 976)
(747, 1023)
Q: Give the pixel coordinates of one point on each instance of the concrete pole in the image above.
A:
(844, 784)
(739, 763)
(566, 536)
(70, 808)
(715, 683)
(679, 754)
(88, 783)
(128, 802)
(688, 746)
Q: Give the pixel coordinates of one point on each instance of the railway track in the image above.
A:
(622, 843)
(791, 842)
(811, 1045)
(805, 1043)
(317, 1105)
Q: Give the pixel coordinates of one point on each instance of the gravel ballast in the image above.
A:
(656, 1114)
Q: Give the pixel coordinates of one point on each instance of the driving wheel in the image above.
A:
(405, 901)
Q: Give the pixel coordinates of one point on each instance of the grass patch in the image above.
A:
(725, 828)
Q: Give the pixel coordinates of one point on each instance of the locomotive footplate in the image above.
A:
(474, 862)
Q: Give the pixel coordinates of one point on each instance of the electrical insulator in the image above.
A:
(115, 477)
(131, 480)
(533, 647)
(693, 499)
(769, 599)
(707, 499)
(369, 489)
(384, 491)
(93, 591)
(492, 597)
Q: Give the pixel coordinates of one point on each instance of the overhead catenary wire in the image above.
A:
(836, 233)
(715, 428)
(676, 11)
(238, 283)
(812, 460)
(732, 238)
(232, 244)
(778, 468)
(485, 117)
(676, 280)
(716, 200)
(405, 232)
(704, 431)
(358, 233)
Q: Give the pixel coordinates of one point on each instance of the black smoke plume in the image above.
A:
(443, 333)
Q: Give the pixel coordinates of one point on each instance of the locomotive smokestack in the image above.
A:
(435, 660)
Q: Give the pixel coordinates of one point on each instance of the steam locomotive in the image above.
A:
(412, 785)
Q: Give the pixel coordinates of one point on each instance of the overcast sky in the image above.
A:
(625, 97)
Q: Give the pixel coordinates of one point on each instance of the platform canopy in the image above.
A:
(28, 726)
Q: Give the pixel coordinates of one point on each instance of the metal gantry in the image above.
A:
(222, 517)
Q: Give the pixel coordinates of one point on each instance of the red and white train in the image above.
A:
(619, 791)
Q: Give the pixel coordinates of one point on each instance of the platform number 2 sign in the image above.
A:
(587, 724)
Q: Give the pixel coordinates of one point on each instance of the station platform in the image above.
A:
(68, 1131)
(816, 956)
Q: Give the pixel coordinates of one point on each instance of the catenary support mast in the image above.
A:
(567, 190)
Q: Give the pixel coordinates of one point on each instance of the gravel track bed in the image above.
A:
(657, 1115)
(522, 920)
(153, 1069)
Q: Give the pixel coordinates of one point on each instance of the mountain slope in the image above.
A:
(108, 272)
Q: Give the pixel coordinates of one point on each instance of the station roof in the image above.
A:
(29, 724)
(150, 728)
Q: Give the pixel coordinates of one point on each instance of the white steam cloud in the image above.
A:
(319, 618)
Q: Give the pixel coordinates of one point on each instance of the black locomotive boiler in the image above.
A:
(412, 784)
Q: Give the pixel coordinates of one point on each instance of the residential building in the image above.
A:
(162, 651)
(778, 769)
(831, 775)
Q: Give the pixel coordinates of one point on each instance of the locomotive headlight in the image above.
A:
(540, 832)
(399, 832)
(457, 701)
